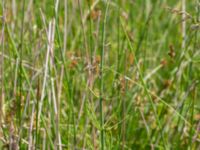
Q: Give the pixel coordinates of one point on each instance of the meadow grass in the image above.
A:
(99, 74)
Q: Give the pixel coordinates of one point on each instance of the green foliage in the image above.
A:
(99, 74)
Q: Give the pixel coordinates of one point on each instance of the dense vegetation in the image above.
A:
(100, 74)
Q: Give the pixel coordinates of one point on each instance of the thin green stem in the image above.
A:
(101, 75)
(20, 68)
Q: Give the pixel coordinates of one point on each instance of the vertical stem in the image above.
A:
(14, 9)
(64, 50)
(20, 69)
(65, 27)
(62, 71)
(124, 104)
(101, 76)
(2, 65)
(37, 108)
(118, 63)
(183, 24)
(83, 28)
(30, 138)
(190, 74)
(91, 37)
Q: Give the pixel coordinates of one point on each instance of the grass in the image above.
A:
(99, 74)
